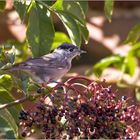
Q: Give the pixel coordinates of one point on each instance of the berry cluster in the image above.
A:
(84, 109)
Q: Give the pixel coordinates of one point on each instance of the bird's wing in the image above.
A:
(47, 61)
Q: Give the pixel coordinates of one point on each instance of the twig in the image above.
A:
(3, 106)
(26, 98)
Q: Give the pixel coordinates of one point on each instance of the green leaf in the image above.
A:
(71, 26)
(2, 5)
(59, 38)
(138, 96)
(6, 57)
(108, 8)
(33, 87)
(83, 5)
(135, 50)
(58, 5)
(84, 32)
(72, 8)
(130, 64)
(133, 35)
(6, 97)
(11, 57)
(6, 81)
(6, 131)
(6, 115)
(76, 10)
(20, 8)
(24, 82)
(48, 2)
(40, 31)
(104, 63)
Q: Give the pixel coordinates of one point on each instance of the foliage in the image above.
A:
(2, 5)
(134, 35)
(106, 62)
(127, 64)
(40, 34)
(108, 8)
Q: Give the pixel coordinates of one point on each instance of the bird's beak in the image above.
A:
(82, 51)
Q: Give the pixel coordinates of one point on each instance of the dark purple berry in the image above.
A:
(125, 109)
(23, 134)
(41, 107)
(124, 97)
(100, 115)
(40, 90)
(22, 112)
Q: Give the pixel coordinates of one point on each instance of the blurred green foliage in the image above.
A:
(134, 35)
(108, 8)
(127, 64)
(2, 5)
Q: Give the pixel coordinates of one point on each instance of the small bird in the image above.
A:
(51, 67)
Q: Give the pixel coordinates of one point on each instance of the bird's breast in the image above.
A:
(58, 73)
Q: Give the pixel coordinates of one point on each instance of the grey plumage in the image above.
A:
(49, 67)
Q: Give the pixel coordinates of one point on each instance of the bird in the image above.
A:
(50, 67)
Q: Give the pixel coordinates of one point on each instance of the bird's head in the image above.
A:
(69, 50)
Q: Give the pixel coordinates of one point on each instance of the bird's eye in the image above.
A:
(71, 49)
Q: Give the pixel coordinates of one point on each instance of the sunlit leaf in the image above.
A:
(40, 31)
(71, 26)
(104, 63)
(2, 5)
(108, 8)
(59, 38)
(58, 5)
(135, 50)
(6, 81)
(20, 8)
(133, 35)
(76, 11)
(130, 65)
(6, 115)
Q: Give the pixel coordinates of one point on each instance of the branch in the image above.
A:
(3, 106)
(26, 98)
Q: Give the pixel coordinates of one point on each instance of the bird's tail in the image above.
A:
(7, 70)
(12, 68)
